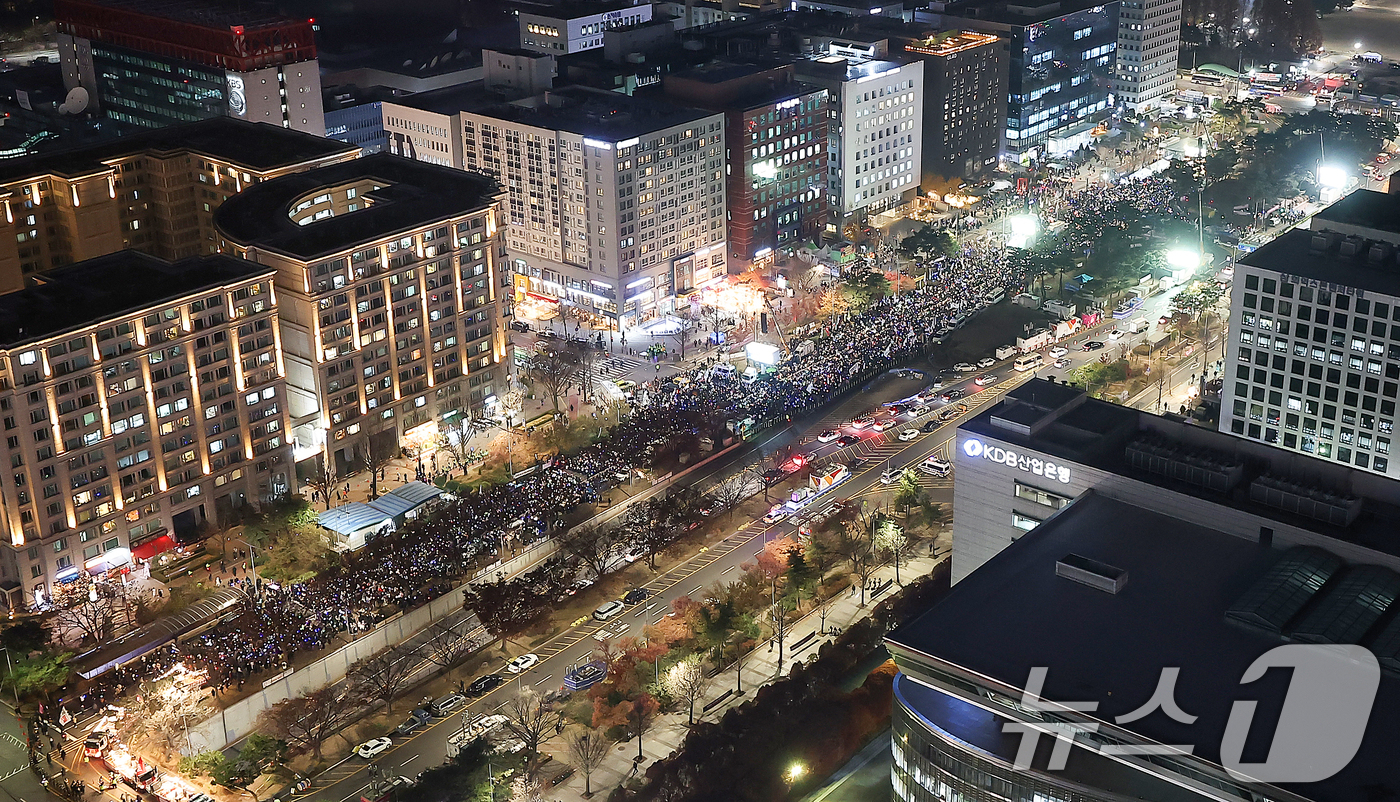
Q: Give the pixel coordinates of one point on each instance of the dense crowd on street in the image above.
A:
(404, 569)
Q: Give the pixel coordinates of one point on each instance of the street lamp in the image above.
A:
(1184, 259)
(252, 561)
(795, 772)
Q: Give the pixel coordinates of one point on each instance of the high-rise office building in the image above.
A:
(875, 139)
(964, 112)
(139, 398)
(154, 191)
(573, 27)
(1312, 363)
(775, 135)
(1117, 573)
(150, 64)
(390, 284)
(615, 204)
(1149, 38)
(1060, 69)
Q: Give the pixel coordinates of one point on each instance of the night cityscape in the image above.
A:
(700, 400)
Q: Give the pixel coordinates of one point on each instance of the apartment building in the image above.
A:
(775, 130)
(151, 64)
(965, 112)
(390, 277)
(615, 204)
(1149, 39)
(139, 397)
(875, 138)
(1313, 361)
(153, 191)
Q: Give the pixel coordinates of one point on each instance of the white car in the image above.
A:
(373, 748)
(908, 434)
(890, 476)
(986, 362)
(828, 436)
(937, 466)
(1115, 335)
(881, 424)
(964, 367)
(985, 379)
(524, 662)
(1061, 363)
(775, 515)
(1058, 351)
(862, 422)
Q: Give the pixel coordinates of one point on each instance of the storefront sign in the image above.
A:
(1040, 467)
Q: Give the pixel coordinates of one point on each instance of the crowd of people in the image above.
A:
(417, 563)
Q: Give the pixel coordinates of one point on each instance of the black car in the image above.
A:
(773, 476)
(636, 595)
(520, 325)
(847, 440)
(485, 684)
(929, 425)
(1093, 345)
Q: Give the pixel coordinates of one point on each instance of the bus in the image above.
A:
(1028, 362)
(1207, 78)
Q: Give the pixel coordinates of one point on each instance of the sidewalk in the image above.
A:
(759, 668)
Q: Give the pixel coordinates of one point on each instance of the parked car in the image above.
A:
(986, 362)
(948, 413)
(930, 425)
(520, 325)
(773, 476)
(486, 684)
(936, 466)
(446, 704)
(985, 379)
(952, 395)
(374, 747)
(1093, 345)
(1115, 335)
(1061, 363)
(862, 422)
(890, 475)
(908, 434)
(881, 424)
(524, 662)
(775, 515)
(609, 610)
(1058, 351)
(636, 595)
(964, 367)
(828, 436)
(847, 440)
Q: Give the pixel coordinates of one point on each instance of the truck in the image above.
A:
(1005, 352)
(1037, 340)
(1137, 325)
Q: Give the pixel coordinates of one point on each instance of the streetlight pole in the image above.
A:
(253, 561)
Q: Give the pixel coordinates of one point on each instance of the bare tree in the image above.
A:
(531, 718)
(446, 644)
(323, 481)
(778, 618)
(729, 492)
(587, 370)
(89, 608)
(309, 721)
(592, 545)
(852, 543)
(687, 681)
(375, 457)
(890, 538)
(555, 373)
(588, 748)
(455, 444)
(161, 710)
(383, 674)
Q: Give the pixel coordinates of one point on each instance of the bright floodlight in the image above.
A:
(1023, 230)
(1183, 259)
(795, 772)
(762, 353)
(1332, 176)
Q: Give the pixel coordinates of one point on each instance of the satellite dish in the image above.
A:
(75, 103)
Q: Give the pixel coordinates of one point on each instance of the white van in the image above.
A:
(1137, 325)
(1006, 352)
(723, 370)
(1028, 362)
(608, 610)
(750, 375)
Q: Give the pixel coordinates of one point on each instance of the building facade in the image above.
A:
(964, 114)
(1313, 361)
(1059, 73)
(576, 27)
(139, 398)
(149, 66)
(775, 135)
(615, 205)
(875, 138)
(1149, 40)
(392, 290)
(152, 191)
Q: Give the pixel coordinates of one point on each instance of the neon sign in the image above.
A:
(1034, 465)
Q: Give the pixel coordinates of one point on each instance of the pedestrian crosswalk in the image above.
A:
(615, 367)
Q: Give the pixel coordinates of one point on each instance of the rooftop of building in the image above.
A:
(412, 194)
(1363, 208)
(854, 68)
(1184, 585)
(596, 113)
(205, 13)
(748, 89)
(109, 287)
(256, 146)
(951, 43)
(450, 100)
(1062, 422)
(873, 6)
(1026, 12)
(1328, 256)
(575, 9)
(818, 22)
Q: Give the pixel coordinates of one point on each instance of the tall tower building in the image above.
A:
(1149, 37)
(151, 64)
